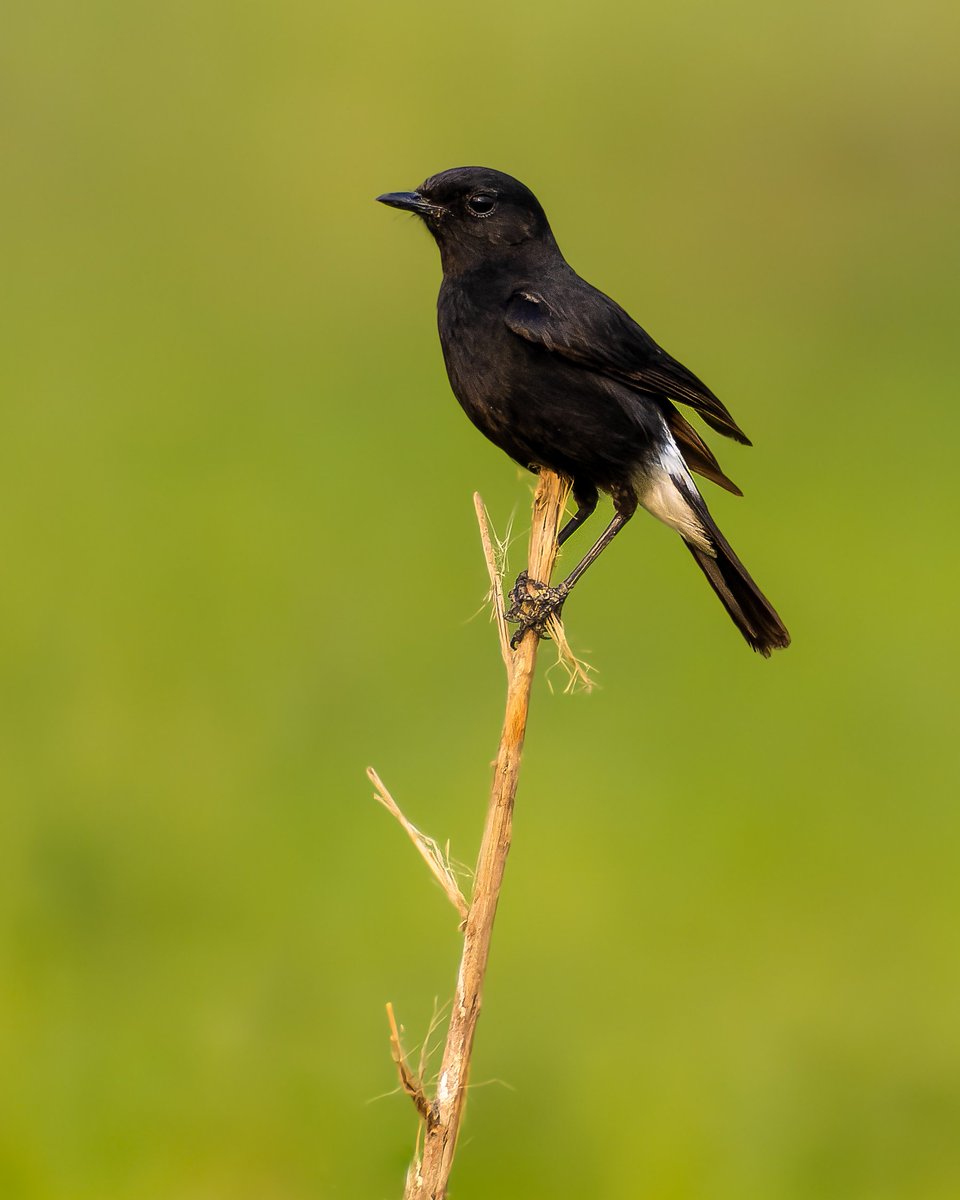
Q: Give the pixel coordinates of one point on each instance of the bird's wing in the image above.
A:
(587, 327)
(697, 454)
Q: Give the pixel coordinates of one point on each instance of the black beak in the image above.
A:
(410, 202)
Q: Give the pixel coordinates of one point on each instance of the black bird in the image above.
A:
(559, 376)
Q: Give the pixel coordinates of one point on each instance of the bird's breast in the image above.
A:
(481, 363)
(538, 406)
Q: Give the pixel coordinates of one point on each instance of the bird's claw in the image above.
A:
(534, 611)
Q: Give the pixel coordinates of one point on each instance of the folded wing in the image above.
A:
(591, 329)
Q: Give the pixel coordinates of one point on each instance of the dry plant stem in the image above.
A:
(496, 585)
(409, 1080)
(429, 851)
(578, 673)
(428, 1176)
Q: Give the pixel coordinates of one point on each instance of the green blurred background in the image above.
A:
(241, 563)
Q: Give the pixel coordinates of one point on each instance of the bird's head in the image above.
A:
(476, 215)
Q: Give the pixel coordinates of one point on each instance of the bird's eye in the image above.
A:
(482, 204)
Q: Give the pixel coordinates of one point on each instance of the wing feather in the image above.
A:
(696, 453)
(600, 335)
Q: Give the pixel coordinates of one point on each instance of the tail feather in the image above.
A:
(750, 610)
(667, 490)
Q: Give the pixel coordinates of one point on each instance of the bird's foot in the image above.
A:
(534, 611)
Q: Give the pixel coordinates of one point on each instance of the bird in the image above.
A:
(560, 377)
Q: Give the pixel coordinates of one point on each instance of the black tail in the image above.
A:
(751, 611)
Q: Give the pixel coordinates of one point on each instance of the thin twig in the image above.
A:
(430, 852)
(409, 1081)
(496, 584)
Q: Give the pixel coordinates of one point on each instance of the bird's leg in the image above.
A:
(586, 498)
(533, 612)
(621, 517)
